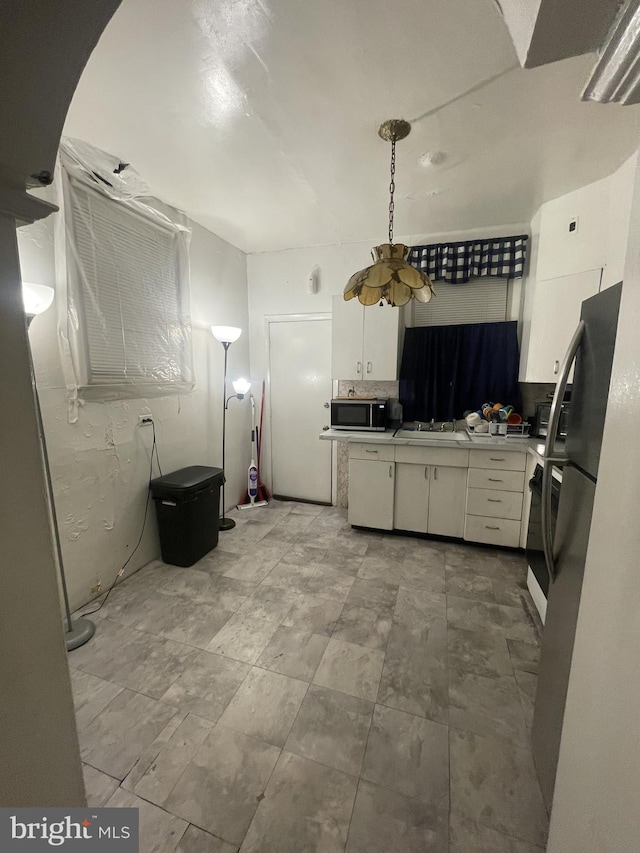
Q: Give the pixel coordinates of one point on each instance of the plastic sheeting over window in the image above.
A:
(123, 282)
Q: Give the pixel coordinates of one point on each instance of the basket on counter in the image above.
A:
(513, 431)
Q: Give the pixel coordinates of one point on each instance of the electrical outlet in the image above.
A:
(96, 590)
(145, 420)
(573, 225)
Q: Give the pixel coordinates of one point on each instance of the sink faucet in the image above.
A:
(432, 425)
(444, 424)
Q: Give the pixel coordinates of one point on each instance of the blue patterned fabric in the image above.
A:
(503, 257)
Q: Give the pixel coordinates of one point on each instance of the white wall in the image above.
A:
(278, 285)
(100, 465)
(597, 796)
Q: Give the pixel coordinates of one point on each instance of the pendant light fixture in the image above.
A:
(390, 278)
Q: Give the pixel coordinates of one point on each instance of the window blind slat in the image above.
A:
(482, 300)
(130, 291)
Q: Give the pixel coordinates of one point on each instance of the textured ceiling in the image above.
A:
(259, 118)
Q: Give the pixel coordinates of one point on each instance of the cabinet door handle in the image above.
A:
(494, 500)
(426, 472)
(493, 480)
(488, 527)
(435, 473)
(497, 459)
(391, 471)
(358, 367)
(556, 367)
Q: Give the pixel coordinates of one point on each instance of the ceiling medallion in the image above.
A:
(390, 278)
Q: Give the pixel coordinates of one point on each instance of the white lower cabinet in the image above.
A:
(411, 511)
(430, 499)
(476, 495)
(446, 501)
(371, 493)
(494, 497)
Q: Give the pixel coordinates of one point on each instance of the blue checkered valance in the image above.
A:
(456, 263)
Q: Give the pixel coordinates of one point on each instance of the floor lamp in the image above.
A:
(226, 335)
(37, 298)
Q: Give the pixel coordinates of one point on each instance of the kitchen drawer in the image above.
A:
(506, 481)
(494, 503)
(506, 460)
(492, 531)
(449, 457)
(369, 450)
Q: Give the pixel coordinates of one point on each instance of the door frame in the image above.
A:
(295, 318)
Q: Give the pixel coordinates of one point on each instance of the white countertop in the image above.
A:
(518, 445)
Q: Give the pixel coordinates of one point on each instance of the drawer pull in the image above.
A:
(497, 459)
(488, 526)
(494, 500)
(493, 480)
(370, 451)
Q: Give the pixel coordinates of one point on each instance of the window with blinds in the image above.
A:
(128, 285)
(481, 300)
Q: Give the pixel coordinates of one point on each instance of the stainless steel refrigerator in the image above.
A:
(592, 349)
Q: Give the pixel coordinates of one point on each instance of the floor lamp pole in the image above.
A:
(79, 632)
(224, 523)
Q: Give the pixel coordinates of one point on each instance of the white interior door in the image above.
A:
(300, 382)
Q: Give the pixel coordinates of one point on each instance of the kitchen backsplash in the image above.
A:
(532, 393)
(368, 388)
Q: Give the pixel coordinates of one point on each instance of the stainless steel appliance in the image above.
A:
(592, 348)
(353, 413)
(542, 416)
(535, 548)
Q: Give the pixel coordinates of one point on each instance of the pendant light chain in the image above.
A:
(392, 188)
(391, 278)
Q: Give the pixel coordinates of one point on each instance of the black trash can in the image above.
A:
(187, 505)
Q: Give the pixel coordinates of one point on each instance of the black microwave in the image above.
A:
(353, 413)
(542, 416)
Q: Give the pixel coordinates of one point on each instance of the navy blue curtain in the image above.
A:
(449, 369)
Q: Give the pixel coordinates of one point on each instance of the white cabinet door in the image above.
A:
(364, 342)
(347, 319)
(380, 343)
(555, 315)
(412, 497)
(446, 501)
(371, 488)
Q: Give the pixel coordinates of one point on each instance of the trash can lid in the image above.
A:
(186, 480)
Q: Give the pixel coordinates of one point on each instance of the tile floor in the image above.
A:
(308, 687)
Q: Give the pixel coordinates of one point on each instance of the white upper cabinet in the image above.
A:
(555, 313)
(365, 342)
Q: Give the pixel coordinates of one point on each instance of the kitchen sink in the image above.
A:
(426, 435)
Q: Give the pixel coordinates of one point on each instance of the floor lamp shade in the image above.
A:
(36, 298)
(226, 334)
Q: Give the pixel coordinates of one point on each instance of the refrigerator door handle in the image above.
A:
(549, 458)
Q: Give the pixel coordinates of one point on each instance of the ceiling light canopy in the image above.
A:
(390, 278)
